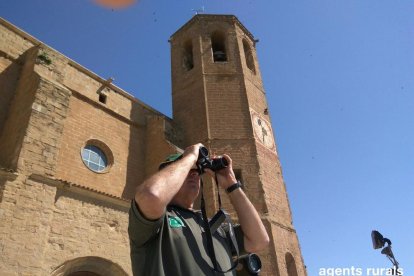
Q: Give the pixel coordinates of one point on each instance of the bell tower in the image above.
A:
(219, 100)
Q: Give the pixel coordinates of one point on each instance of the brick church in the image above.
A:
(73, 148)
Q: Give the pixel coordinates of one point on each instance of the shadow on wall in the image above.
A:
(88, 199)
(17, 90)
(89, 266)
(8, 83)
(135, 170)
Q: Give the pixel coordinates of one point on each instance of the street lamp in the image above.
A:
(378, 241)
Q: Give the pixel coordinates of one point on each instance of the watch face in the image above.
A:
(263, 131)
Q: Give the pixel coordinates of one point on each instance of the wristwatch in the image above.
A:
(233, 187)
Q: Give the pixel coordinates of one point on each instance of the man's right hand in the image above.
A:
(153, 195)
(193, 151)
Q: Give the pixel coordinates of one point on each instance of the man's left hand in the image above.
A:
(226, 176)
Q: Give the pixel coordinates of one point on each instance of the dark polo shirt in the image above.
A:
(175, 244)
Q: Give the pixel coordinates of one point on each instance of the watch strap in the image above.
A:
(233, 187)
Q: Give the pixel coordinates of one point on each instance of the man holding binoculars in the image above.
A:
(168, 237)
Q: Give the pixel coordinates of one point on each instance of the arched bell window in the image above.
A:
(188, 62)
(290, 265)
(218, 47)
(249, 56)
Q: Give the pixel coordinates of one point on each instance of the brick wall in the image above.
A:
(86, 122)
(45, 224)
(157, 146)
(230, 93)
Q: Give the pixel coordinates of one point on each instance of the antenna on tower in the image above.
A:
(200, 10)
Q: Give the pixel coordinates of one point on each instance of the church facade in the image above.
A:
(73, 148)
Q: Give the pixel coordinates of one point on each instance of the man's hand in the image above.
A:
(226, 176)
(193, 151)
(154, 194)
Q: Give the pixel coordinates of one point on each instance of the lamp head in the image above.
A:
(377, 239)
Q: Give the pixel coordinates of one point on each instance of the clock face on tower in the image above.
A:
(263, 131)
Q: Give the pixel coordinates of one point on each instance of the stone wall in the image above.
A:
(57, 216)
(46, 223)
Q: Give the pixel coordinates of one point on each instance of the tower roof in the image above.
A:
(213, 17)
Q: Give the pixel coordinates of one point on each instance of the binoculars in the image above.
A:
(204, 161)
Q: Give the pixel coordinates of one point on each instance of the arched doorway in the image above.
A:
(89, 266)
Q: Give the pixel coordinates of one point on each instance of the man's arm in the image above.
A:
(255, 234)
(153, 195)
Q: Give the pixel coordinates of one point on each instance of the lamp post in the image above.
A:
(378, 241)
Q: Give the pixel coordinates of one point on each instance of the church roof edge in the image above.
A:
(78, 66)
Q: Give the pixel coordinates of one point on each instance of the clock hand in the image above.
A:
(264, 133)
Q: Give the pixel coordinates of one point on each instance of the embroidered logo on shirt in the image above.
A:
(175, 222)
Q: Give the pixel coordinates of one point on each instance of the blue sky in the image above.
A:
(339, 81)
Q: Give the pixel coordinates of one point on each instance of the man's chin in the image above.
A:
(194, 188)
(193, 184)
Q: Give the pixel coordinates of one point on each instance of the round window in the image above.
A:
(96, 156)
